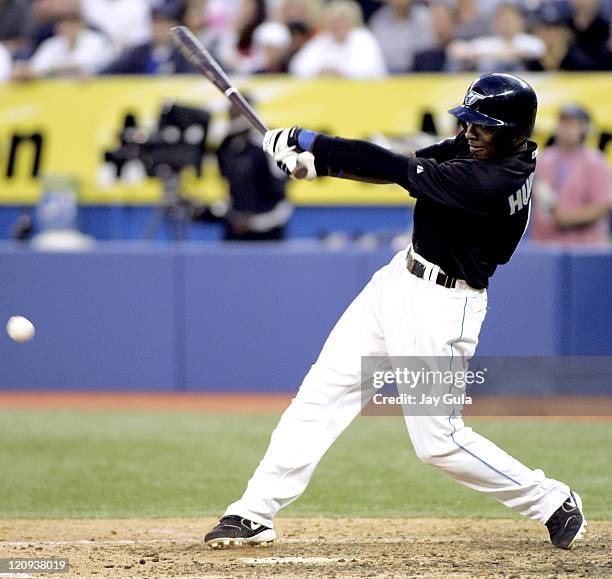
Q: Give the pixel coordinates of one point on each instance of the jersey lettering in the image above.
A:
(521, 198)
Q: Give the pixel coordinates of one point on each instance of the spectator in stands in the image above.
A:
(369, 8)
(302, 18)
(197, 19)
(508, 50)
(305, 12)
(6, 64)
(236, 50)
(402, 28)
(126, 22)
(257, 210)
(75, 50)
(159, 56)
(592, 32)
(46, 13)
(16, 24)
(211, 20)
(344, 48)
(219, 14)
(272, 42)
(572, 191)
(472, 20)
(561, 50)
(300, 34)
(444, 20)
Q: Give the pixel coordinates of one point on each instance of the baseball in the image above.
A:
(20, 329)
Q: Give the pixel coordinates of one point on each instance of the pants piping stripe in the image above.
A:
(449, 418)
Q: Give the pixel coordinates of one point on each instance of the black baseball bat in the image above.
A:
(203, 61)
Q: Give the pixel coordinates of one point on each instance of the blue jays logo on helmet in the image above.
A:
(472, 97)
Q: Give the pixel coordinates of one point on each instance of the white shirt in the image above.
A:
(359, 56)
(231, 58)
(495, 53)
(126, 22)
(401, 38)
(91, 53)
(6, 64)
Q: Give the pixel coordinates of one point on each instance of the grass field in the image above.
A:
(89, 464)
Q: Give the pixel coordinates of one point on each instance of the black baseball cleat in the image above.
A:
(567, 524)
(234, 531)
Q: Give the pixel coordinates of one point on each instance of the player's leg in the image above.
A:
(328, 400)
(447, 324)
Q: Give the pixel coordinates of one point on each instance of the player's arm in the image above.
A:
(441, 151)
(580, 217)
(453, 183)
(351, 159)
(334, 157)
(354, 159)
(598, 204)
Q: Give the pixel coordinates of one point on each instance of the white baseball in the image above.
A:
(20, 329)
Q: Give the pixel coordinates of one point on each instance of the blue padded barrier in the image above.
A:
(256, 318)
(590, 303)
(105, 320)
(527, 305)
(243, 317)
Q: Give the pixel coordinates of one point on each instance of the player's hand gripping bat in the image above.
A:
(196, 54)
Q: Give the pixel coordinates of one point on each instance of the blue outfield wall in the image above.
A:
(590, 303)
(104, 320)
(214, 317)
(528, 309)
(256, 319)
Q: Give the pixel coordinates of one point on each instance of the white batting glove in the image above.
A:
(282, 145)
(294, 164)
(279, 140)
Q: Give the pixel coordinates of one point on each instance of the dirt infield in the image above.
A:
(311, 548)
(242, 403)
(574, 408)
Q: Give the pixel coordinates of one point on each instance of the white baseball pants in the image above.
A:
(396, 314)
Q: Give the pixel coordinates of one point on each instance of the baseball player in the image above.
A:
(472, 207)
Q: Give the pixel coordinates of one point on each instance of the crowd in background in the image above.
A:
(307, 38)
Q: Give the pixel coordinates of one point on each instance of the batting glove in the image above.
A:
(279, 140)
(290, 148)
(297, 165)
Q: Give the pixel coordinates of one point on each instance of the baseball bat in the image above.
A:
(203, 61)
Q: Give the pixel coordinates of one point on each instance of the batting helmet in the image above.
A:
(500, 100)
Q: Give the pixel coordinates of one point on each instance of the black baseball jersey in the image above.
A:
(469, 216)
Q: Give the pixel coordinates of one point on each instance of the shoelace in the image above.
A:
(231, 520)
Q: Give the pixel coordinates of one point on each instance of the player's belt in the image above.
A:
(420, 270)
